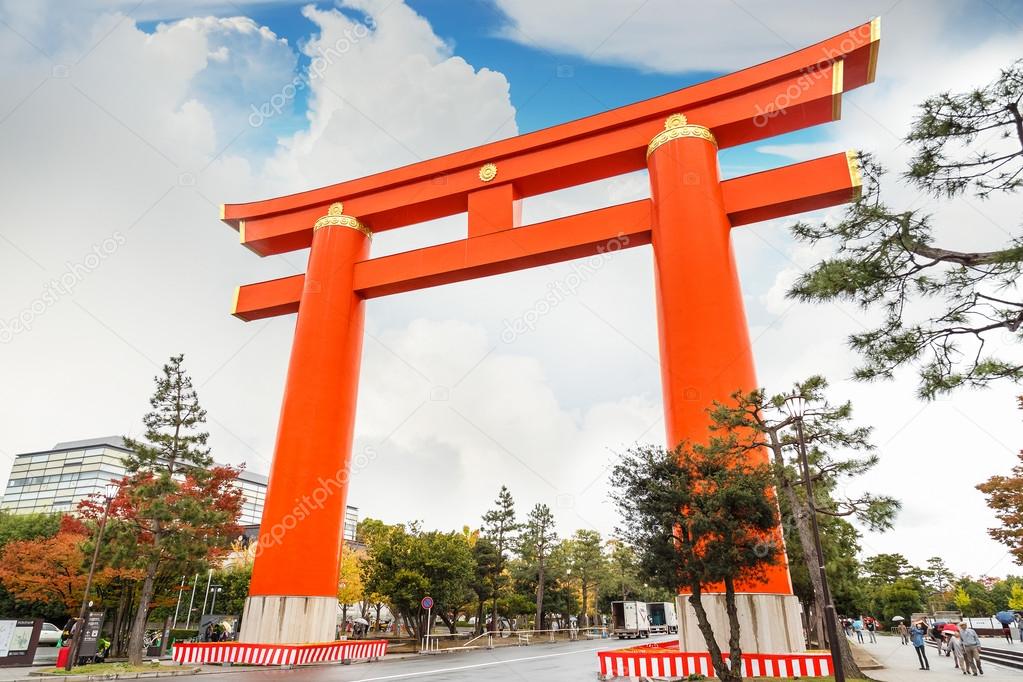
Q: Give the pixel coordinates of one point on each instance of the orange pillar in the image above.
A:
(704, 341)
(293, 593)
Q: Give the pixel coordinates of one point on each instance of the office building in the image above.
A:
(56, 480)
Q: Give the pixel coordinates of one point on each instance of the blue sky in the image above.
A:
(547, 87)
(143, 133)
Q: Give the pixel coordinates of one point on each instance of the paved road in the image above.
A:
(564, 662)
(902, 665)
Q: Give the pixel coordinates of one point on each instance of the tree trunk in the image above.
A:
(376, 623)
(449, 622)
(136, 640)
(539, 599)
(123, 602)
(720, 668)
(585, 621)
(734, 647)
(801, 516)
(479, 618)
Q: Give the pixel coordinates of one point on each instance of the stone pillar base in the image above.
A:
(769, 623)
(288, 620)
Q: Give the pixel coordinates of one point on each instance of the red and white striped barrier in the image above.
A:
(660, 661)
(277, 654)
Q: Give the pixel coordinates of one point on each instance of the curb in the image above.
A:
(36, 677)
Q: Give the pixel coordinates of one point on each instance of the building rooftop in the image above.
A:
(112, 441)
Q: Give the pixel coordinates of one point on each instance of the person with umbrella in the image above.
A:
(1006, 618)
(955, 644)
(917, 634)
(903, 630)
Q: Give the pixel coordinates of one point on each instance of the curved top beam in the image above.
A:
(607, 137)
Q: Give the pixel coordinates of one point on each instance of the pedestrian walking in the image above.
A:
(871, 627)
(903, 632)
(858, 629)
(956, 644)
(1007, 633)
(917, 634)
(971, 649)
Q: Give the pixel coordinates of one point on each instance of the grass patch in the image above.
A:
(103, 669)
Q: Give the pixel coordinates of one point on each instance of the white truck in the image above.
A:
(630, 619)
(661, 616)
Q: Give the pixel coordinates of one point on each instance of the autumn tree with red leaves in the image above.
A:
(176, 512)
(47, 569)
(1005, 496)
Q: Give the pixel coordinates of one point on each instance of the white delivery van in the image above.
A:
(662, 618)
(630, 619)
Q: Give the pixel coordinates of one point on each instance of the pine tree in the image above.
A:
(535, 546)
(589, 565)
(939, 305)
(699, 516)
(176, 510)
(500, 527)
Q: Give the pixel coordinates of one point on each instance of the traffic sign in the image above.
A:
(427, 602)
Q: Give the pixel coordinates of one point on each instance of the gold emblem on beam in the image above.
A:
(336, 217)
(677, 126)
(488, 172)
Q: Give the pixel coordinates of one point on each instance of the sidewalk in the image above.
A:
(900, 663)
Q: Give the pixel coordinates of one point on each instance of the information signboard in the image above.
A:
(18, 641)
(90, 636)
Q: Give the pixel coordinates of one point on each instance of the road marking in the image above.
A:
(479, 665)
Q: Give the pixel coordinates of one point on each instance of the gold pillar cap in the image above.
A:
(336, 217)
(677, 126)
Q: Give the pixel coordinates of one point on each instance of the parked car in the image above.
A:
(49, 635)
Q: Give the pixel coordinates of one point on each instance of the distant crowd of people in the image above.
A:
(958, 641)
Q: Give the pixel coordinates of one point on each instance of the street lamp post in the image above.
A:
(217, 589)
(796, 407)
(109, 493)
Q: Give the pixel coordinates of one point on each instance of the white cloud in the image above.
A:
(132, 139)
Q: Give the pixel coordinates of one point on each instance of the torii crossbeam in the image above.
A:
(704, 344)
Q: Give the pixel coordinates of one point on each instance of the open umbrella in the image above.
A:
(1005, 617)
(950, 627)
(361, 621)
(898, 619)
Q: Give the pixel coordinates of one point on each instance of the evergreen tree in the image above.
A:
(500, 527)
(175, 510)
(699, 516)
(589, 566)
(940, 306)
(535, 545)
(760, 421)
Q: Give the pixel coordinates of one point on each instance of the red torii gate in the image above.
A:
(704, 343)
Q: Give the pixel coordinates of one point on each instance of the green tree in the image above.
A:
(939, 577)
(234, 584)
(939, 306)
(175, 509)
(899, 598)
(411, 564)
(721, 537)
(485, 562)
(27, 526)
(500, 527)
(882, 569)
(759, 421)
(535, 545)
(589, 566)
(1015, 601)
